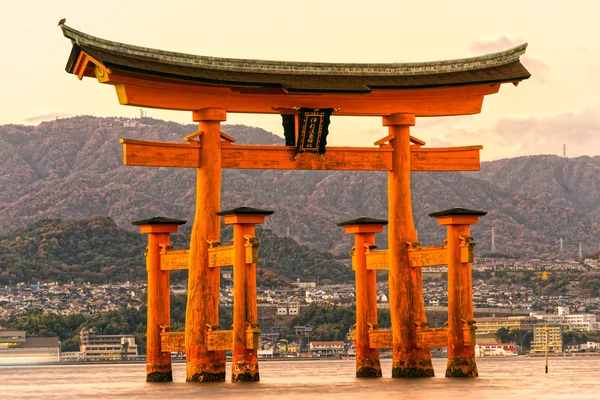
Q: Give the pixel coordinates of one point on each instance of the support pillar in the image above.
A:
(158, 364)
(461, 325)
(367, 358)
(203, 282)
(244, 361)
(405, 283)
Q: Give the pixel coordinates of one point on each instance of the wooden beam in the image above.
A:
(432, 337)
(220, 340)
(160, 154)
(380, 339)
(445, 159)
(166, 154)
(424, 102)
(282, 157)
(427, 256)
(418, 256)
(172, 260)
(378, 259)
(172, 341)
(221, 256)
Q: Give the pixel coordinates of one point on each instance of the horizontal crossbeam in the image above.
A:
(165, 154)
(428, 256)
(173, 260)
(380, 339)
(432, 337)
(172, 342)
(221, 256)
(219, 340)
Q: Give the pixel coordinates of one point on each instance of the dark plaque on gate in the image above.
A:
(314, 126)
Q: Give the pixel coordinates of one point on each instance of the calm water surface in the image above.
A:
(522, 378)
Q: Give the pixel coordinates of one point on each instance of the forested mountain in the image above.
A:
(96, 250)
(72, 169)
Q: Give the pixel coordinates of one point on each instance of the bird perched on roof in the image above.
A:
(62, 21)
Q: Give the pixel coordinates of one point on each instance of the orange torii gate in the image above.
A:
(211, 87)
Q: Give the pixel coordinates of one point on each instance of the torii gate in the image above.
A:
(210, 88)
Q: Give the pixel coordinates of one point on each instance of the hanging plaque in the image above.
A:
(314, 127)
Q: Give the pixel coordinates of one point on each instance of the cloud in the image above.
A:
(510, 137)
(539, 70)
(437, 142)
(45, 117)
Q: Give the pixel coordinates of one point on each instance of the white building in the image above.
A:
(495, 350)
(571, 322)
(106, 347)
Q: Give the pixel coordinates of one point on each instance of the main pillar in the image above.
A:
(405, 283)
(244, 360)
(203, 282)
(158, 364)
(367, 358)
(461, 328)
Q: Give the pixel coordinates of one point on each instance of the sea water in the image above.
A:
(511, 378)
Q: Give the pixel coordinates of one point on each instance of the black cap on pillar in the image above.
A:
(158, 220)
(458, 216)
(244, 215)
(363, 225)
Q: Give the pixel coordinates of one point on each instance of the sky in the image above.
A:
(558, 105)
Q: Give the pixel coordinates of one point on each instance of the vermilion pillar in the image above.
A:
(244, 362)
(203, 282)
(158, 364)
(461, 328)
(364, 229)
(405, 283)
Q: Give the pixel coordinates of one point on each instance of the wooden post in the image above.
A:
(158, 364)
(405, 283)
(367, 358)
(244, 361)
(461, 328)
(203, 282)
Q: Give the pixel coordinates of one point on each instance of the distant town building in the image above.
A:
(16, 348)
(106, 347)
(570, 322)
(327, 348)
(492, 324)
(496, 350)
(289, 308)
(555, 342)
(305, 285)
(302, 330)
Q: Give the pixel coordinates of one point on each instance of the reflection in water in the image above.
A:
(521, 378)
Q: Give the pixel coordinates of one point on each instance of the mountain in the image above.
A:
(72, 169)
(96, 250)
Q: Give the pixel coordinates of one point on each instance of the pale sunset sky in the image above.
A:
(559, 105)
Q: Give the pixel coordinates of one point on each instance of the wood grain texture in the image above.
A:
(428, 256)
(166, 154)
(220, 340)
(380, 339)
(432, 337)
(172, 260)
(405, 283)
(202, 309)
(172, 342)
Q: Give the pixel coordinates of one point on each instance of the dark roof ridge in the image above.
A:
(301, 68)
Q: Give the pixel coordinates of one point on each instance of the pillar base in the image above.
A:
(245, 372)
(461, 368)
(160, 376)
(368, 369)
(246, 377)
(214, 372)
(207, 377)
(419, 368)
